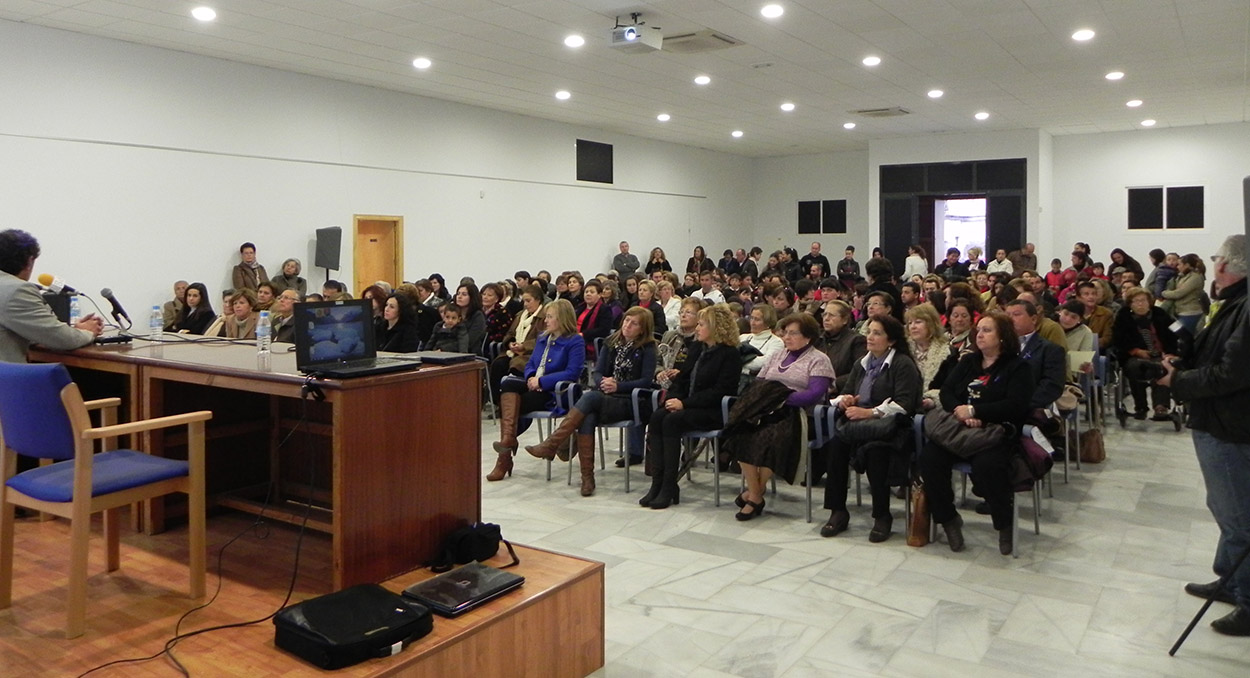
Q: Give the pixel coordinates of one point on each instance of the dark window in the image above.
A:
(902, 178)
(1000, 174)
(594, 161)
(809, 216)
(833, 216)
(1184, 207)
(1145, 208)
(950, 177)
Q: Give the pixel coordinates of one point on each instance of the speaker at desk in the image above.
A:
(329, 242)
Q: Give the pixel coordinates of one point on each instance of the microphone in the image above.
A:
(118, 311)
(55, 284)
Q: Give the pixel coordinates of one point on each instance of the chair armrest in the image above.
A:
(636, 397)
(566, 393)
(146, 425)
(102, 403)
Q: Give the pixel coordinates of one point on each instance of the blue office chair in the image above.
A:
(565, 394)
(689, 441)
(626, 427)
(42, 415)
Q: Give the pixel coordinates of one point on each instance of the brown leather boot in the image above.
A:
(586, 456)
(503, 467)
(549, 448)
(509, 410)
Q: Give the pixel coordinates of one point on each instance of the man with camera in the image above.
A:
(1214, 386)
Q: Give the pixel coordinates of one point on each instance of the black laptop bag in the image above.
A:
(349, 626)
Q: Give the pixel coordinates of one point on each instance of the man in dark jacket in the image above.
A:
(1217, 393)
(1046, 360)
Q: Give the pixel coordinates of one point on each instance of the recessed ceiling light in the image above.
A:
(848, 125)
(1148, 122)
(702, 80)
(1083, 35)
(1115, 75)
(872, 60)
(563, 95)
(204, 13)
(1133, 103)
(982, 115)
(421, 63)
(737, 134)
(787, 107)
(574, 41)
(772, 11)
(663, 117)
(936, 93)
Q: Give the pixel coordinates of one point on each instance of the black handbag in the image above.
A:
(477, 542)
(349, 626)
(946, 431)
(865, 430)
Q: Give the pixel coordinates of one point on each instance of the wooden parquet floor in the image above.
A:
(133, 611)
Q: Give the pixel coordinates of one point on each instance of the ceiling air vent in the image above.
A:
(699, 41)
(891, 112)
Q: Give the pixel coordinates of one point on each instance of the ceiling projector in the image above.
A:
(636, 39)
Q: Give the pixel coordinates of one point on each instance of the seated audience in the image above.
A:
(1142, 334)
(451, 334)
(1097, 317)
(627, 362)
(241, 323)
(841, 342)
(440, 288)
(874, 422)
(282, 316)
(929, 348)
(762, 321)
(771, 443)
(648, 299)
(290, 278)
(559, 355)
(594, 319)
(172, 310)
(989, 385)
(960, 319)
(469, 301)
(708, 372)
(497, 318)
(198, 313)
(399, 325)
(265, 293)
(519, 341)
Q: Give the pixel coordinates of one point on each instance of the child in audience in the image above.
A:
(450, 334)
(1054, 278)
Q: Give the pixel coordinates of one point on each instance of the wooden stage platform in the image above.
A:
(553, 626)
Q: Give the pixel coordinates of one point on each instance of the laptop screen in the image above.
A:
(333, 332)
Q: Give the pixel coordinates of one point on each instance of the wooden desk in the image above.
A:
(398, 456)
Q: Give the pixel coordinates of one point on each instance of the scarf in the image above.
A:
(871, 372)
(625, 363)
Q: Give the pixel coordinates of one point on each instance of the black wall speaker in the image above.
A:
(329, 242)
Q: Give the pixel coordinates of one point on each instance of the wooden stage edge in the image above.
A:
(552, 626)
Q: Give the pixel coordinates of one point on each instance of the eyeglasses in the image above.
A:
(875, 303)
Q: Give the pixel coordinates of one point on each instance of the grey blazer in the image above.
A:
(26, 320)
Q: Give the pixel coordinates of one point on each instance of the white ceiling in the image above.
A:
(1186, 59)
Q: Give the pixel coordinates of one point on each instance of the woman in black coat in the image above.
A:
(197, 313)
(709, 373)
(883, 385)
(399, 326)
(1142, 334)
(989, 385)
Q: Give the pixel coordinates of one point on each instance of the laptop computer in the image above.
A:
(443, 357)
(334, 339)
(453, 593)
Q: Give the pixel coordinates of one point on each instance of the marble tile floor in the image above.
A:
(693, 592)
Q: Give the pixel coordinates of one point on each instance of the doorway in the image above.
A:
(958, 223)
(378, 252)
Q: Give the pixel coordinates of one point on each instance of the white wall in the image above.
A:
(780, 183)
(1092, 173)
(136, 166)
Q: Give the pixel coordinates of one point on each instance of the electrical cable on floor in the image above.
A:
(167, 650)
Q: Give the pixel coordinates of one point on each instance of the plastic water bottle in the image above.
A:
(75, 311)
(156, 325)
(262, 337)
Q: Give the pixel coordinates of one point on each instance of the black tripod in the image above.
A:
(1219, 587)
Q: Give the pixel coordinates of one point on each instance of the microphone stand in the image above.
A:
(1205, 606)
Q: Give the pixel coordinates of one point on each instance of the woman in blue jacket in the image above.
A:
(558, 356)
(627, 362)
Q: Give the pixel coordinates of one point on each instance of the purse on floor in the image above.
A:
(1092, 449)
(918, 526)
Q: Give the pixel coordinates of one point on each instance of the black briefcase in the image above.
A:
(349, 626)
